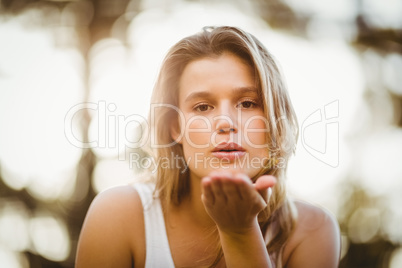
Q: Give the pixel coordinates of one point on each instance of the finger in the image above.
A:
(229, 186)
(264, 182)
(207, 194)
(217, 190)
(244, 185)
(243, 177)
(263, 186)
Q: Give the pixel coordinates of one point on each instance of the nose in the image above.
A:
(225, 121)
(223, 130)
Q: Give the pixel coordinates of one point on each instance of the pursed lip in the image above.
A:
(228, 151)
(227, 147)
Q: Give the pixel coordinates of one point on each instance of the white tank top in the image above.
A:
(157, 245)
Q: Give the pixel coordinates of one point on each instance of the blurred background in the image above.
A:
(75, 83)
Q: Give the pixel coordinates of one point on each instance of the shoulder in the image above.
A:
(113, 229)
(312, 218)
(117, 203)
(117, 198)
(316, 238)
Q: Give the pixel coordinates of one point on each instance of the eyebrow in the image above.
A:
(206, 94)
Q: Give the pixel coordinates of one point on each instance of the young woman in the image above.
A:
(222, 131)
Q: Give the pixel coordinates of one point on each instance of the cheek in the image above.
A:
(197, 131)
(255, 132)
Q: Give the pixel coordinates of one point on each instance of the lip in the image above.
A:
(228, 151)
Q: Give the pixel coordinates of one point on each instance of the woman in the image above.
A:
(219, 106)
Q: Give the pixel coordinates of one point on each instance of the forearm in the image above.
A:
(245, 249)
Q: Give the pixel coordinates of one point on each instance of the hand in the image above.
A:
(233, 201)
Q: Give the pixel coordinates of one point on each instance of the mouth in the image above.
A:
(228, 151)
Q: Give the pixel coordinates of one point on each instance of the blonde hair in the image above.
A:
(173, 183)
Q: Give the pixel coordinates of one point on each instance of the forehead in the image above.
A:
(216, 74)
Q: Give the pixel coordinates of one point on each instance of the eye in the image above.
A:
(247, 104)
(202, 107)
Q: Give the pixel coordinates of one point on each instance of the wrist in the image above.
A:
(240, 231)
(244, 247)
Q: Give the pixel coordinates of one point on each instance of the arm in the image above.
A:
(245, 249)
(104, 237)
(233, 202)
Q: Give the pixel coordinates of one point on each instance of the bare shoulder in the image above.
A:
(113, 230)
(316, 239)
(312, 218)
(117, 199)
(119, 205)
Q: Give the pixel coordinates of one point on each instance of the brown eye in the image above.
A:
(247, 104)
(202, 108)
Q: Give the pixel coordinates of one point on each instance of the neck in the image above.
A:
(193, 206)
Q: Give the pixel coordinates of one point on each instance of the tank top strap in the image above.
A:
(158, 252)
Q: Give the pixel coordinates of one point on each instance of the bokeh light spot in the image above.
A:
(14, 226)
(50, 237)
(363, 225)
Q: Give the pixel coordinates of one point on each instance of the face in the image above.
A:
(223, 123)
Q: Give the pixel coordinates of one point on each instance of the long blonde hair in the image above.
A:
(172, 182)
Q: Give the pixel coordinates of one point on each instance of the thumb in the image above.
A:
(264, 183)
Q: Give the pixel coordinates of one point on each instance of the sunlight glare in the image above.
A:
(111, 172)
(41, 84)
